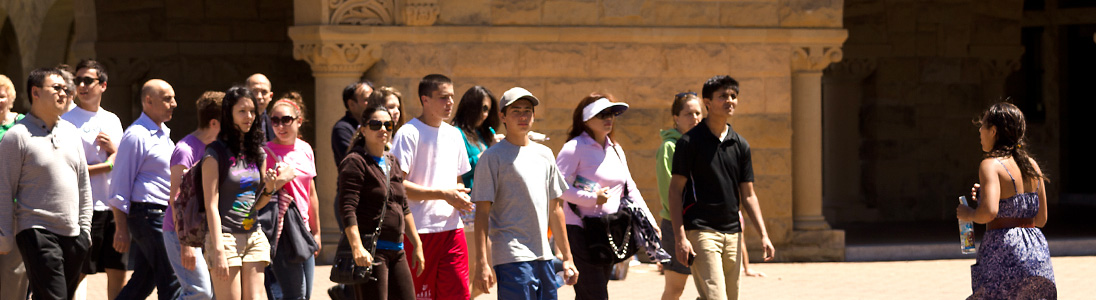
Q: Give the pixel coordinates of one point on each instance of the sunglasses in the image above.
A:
(486, 108)
(85, 80)
(376, 125)
(606, 114)
(679, 95)
(58, 88)
(283, 120)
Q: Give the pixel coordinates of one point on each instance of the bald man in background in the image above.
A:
(140, 184)
(259, 86)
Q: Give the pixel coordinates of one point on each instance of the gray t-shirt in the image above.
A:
(519, 181)
(238, 192)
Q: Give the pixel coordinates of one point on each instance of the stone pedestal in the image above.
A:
(335, 64)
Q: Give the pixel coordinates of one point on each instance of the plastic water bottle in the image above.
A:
(966, 232)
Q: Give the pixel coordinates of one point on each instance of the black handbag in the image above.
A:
(344, 269)
(295, 244)
(609, 237)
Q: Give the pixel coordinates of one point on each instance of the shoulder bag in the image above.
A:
(344, 270)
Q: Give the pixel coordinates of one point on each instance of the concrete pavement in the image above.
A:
(929, 279)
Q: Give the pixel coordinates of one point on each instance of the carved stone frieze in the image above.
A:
(420, 12)
(361, 12)
(337, 57)
(814, 58)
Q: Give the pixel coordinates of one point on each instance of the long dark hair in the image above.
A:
(249, 148)
(578, 126)
(358, 140)
(469, 110)
(1011, 127)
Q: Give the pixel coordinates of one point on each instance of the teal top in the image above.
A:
(4, 127)
(474, 151)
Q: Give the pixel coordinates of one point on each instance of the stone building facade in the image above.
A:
(857, 111)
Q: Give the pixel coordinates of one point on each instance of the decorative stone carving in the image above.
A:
(815, 58)
(361, 12)
(421, 12)
(337, 57)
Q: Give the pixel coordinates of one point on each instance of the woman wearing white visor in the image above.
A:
(597, 171)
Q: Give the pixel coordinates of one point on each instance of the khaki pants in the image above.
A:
(717, 263)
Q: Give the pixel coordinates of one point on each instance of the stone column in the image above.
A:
(334, 66)
(842, 98)
(811, 239)
(807, 65)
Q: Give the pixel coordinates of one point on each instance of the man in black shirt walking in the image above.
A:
(712, 177)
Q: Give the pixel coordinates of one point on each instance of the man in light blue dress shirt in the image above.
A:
(140, 183)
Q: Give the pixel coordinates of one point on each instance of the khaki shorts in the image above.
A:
(241, 247)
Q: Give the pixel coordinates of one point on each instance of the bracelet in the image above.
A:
(265, 193)
(111, 164)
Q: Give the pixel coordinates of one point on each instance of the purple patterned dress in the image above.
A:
(1014, 263)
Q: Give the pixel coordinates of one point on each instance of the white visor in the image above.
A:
(596, 107)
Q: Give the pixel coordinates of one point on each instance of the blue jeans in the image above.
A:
(193, 284)
(292, 281)
(152, 267)
(527, 280)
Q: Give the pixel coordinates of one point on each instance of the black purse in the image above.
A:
(295, 243)
(344, 270)
(609, 237)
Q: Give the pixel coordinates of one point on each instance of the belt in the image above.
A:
(1005, 223)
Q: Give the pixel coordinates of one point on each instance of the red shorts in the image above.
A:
(446, 255)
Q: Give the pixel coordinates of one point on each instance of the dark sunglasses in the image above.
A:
(58, 88)
(486, 108)
(376, 125)
(283, 120)
(679, 95)
(85, 80)
(605, 114)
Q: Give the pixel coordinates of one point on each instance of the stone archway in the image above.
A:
(55, 36)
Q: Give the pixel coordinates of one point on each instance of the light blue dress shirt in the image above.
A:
(141, 171)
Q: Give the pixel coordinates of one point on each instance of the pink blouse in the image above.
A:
(583, 157)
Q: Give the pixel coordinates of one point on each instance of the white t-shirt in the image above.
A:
(432, 157)
(90, 124)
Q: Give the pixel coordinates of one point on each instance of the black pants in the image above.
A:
(394, 280)
(593, 278)
(53, 262)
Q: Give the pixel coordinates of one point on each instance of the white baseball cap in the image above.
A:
(599, 105)
(514, 94)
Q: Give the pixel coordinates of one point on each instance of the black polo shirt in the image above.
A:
(714, 170)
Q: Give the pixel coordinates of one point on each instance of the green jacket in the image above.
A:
(664, 162)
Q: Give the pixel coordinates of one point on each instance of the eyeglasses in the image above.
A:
(85, 80)
(376, 125)
(283, 120)
(605, 114)
(58, 88)
(486, 108)
(679, 95)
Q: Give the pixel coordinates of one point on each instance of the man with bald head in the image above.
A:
(259, 86)
(140, 184)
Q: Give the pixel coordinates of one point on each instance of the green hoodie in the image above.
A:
(664, 162)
